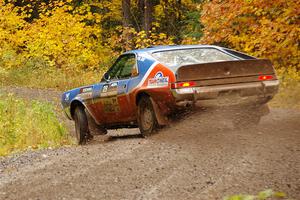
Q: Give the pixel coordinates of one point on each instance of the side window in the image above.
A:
(123, 67)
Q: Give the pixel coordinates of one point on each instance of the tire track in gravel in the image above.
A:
(67, 157)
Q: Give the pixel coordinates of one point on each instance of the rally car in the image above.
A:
(144, 87)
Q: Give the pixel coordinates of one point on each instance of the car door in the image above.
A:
(126, 78)
(105, 102)
(114, 102)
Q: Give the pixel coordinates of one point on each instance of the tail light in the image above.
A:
(265, 77)
(183, 84)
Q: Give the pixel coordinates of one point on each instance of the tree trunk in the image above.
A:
(141, 11)
(126, 13)
(148, 16)
(179, 10)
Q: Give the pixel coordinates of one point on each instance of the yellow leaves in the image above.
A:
(58, 39)
(142, 41)
(11, 22)
(264, 21)
(60, 3)
(131, 39)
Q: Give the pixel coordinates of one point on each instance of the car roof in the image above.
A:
(170, 47)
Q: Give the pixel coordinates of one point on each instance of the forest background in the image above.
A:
(65, 44)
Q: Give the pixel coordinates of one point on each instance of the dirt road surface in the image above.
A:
(202, 157)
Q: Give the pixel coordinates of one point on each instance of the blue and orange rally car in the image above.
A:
(144, 87)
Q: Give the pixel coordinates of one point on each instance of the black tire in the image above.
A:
(146, 117)
(81, 125)
(246, 120)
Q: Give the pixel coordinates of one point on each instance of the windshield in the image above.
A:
(177, 58)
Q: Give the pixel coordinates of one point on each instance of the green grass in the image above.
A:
(263, 195)
(48, 78)
(29, 125)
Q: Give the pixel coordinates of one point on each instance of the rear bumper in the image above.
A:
(253, 92)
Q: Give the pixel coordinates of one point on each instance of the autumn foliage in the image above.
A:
(69, 35)
(72, 38)
(265, 29)
(59, 38)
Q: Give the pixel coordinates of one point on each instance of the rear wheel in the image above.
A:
(146, 117)
(81, 126)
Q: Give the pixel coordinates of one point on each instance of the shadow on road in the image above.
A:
(123, 137)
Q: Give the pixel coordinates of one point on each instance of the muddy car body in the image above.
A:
(144, 87)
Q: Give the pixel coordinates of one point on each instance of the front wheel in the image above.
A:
(146, 117)
(81, 125)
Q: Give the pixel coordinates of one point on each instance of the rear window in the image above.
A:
(176, 58)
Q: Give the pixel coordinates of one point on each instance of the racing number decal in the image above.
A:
(109, 98)
(105, 88)
(109, 90)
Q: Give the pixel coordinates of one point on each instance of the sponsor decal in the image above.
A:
(86, 93)
(159, 80)
(110, 105)
(67, 97)
(159, 75)
(87, 89)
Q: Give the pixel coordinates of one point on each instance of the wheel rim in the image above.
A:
(147, 119)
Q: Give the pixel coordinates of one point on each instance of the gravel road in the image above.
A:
(202, 157)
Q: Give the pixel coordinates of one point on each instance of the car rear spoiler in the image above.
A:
(225, 69)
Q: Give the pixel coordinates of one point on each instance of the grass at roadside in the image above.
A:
(263, 195)
(288, 97)
(43, 78)
(29, 124)
(289, 92)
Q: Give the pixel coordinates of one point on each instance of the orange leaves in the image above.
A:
(261, 28)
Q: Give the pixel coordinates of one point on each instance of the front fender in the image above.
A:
(79, 102)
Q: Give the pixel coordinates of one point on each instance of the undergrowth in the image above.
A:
(29, 125)
(289, 91)
(263, 195)
(51, 78)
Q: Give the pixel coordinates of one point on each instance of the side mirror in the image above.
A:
(106, 77)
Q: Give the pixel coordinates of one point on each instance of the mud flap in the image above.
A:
(161, 119)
